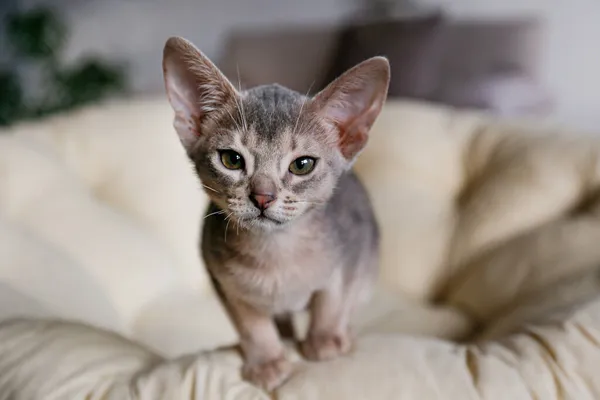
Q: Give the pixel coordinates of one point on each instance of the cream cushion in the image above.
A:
(489, 228)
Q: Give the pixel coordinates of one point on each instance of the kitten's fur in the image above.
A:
(316, 244)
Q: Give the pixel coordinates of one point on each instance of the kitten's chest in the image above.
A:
(280, 274)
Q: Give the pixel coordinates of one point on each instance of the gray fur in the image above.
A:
(327, 214)
(317, 243)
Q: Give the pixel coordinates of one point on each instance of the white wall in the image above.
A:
(137, 29)
(571, 52)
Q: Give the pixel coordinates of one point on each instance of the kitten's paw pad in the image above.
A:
(326, 347)
(268, 375)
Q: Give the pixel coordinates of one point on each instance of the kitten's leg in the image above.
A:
(265, 364)
(329, 331)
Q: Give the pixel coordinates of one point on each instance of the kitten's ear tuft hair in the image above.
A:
(195, 88)
(352, 102)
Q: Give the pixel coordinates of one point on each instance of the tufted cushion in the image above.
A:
(490, 232)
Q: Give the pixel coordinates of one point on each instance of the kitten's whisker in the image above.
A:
(228, 219)
(309, 202)
(209, 188)
(214, 213)
(244, 127)
(240, 102)
(302, 107)
(238, 127)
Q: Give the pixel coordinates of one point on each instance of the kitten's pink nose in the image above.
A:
(262, 201)
(262, 192)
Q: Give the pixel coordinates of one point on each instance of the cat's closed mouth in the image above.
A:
(263, 217)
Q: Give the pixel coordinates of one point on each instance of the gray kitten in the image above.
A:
(290, 225)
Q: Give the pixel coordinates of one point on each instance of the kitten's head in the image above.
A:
(268, 155)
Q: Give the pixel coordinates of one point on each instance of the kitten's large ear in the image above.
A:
(353, 101)
(195, 88)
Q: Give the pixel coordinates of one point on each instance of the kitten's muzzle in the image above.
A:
(262, 201)
(262, 191)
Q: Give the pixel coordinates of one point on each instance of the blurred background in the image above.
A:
(100, 210)
(512, 57)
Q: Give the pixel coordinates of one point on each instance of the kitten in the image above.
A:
(289, 225)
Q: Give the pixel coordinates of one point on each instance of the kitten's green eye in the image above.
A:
(302, 165)
(231, 159)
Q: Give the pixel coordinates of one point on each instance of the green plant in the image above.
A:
(35, 34)
(11, 97)
(36, 37)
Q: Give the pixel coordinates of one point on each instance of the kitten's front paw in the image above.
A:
(323, 347)
(268, 375)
